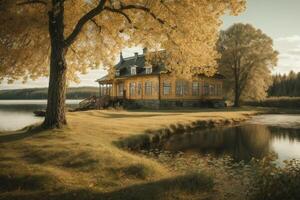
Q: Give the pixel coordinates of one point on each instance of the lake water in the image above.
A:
(257, 138)
(263, 134)
(16, 114)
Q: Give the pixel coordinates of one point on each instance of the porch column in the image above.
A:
(114, 89)
(102, 89)
(110, 89)
(99, 89)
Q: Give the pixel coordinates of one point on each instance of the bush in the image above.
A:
(284, 102)
(272, 182)
(139, 171)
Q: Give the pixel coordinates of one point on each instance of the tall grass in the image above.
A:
(273, 182)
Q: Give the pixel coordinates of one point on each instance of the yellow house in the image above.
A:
(139, 84)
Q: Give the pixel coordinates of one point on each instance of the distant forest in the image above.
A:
(41, 93)
(285, 85)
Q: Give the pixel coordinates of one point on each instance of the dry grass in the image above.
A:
(82, 162)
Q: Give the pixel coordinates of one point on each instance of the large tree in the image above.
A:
(73, 35)
(247, 57)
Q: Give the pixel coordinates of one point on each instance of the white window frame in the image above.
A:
(148, 69)
(132, 88)
(167, 88)
(133, 70)
(148, 88)
(182, 88)
(117, 72)
(195, 88)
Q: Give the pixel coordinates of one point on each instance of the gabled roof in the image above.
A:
(104, 78)
(125, 64)
(138, 61)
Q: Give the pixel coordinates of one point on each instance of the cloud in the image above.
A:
(295, 52)
(289, 57)
(285, 69)
(293, 38)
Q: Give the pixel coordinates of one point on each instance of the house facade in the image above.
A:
(140, 84)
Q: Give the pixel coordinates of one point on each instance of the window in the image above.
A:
(166, 88)
(149, 70)
(139, 92)
(120, 89)
(206, 89)
(132, 89)
(148, 88)
(219, 90)
(195, 88)
(212, 90)
(133, 70)
(117, 72)
(181, 88)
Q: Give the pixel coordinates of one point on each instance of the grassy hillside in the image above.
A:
(41, 93)
(83, 162)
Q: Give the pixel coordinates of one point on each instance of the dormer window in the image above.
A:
(148, 69)
(117, 72)
(133, 70)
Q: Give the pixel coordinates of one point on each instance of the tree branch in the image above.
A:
(97, 10)
(32, 2)
(83, 20)
(119, 12)
(96, 24)
(143, 8)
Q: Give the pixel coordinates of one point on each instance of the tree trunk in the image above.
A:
(55, 113)
(236, 99)
(237, 86)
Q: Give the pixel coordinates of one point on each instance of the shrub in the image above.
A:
(23, 181)
(284, 102)
(139, 171)
(272, 182)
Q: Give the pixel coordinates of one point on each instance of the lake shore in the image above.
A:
(82, 161)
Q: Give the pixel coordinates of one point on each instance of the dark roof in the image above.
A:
(125, 64)
(104, 78)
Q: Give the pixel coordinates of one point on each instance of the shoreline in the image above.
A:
(152, 137)
(83, 159)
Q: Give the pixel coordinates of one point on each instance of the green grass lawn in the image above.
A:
(82, 162)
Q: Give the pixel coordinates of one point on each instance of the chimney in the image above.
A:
(121, 57)
(136, 54)
(145, 50)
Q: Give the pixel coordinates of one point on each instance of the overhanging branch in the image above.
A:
(99, 8)
(142, 8)
(32, 2)
(119, 12)
(83, 20)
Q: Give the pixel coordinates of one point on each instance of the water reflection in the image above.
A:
(241, 142)
(16, 114)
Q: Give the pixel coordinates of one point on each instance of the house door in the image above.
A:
(121, 90)
(124, 94)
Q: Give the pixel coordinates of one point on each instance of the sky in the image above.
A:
(277, 18)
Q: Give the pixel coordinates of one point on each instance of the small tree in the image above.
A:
(247, 57)
(72, 35)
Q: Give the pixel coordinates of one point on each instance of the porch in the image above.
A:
(112, 88)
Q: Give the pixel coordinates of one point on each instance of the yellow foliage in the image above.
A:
(186, 29)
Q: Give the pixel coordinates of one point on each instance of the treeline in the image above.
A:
(41, 93)
(285, 85)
